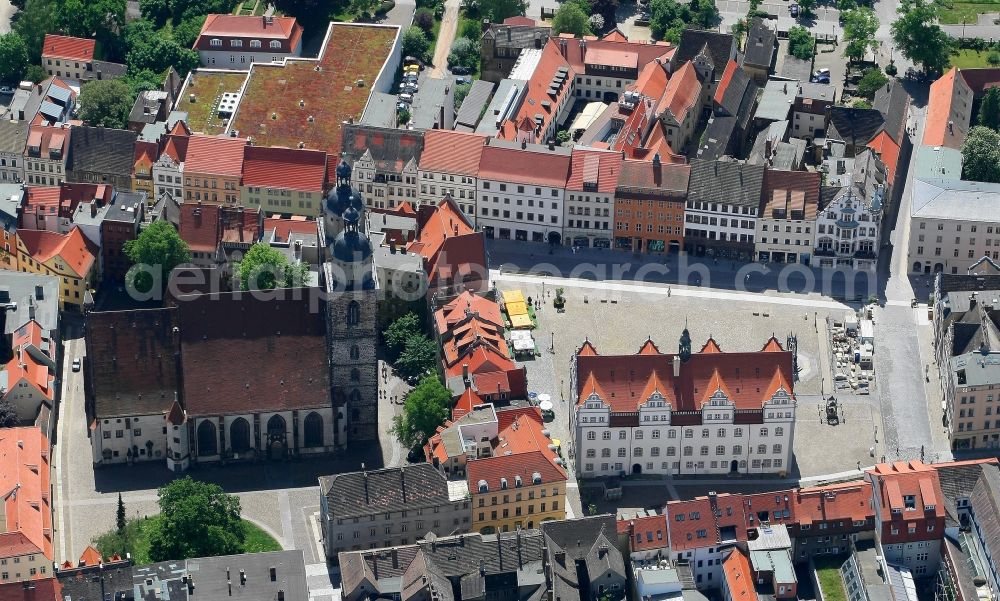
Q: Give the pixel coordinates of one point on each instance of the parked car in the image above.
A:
(407, 98)
(460, 70)
(463, 80)
(6, 90)
(642, 19)
(76, 364)
(793, 9)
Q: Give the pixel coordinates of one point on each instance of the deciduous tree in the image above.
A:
(8, 415)
(13, 58)
(158, 246)
(989, 109)
(918, 36)
(424, 409)
(801, 43)
(106, 103)
(981, 155)
(265, 268)
(871, 81)
(197, 519)
(37, 19)
(415, 43)
(570, 19)
(860, 26)
(419, 357)
(399, 332)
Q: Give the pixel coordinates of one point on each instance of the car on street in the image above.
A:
(76, 364)
(793, 8)
(642, 19)
(460, 70)
(463, 80)
(6, 90)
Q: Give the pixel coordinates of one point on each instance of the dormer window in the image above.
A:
(910, 502)
(536, 478)
(275, 44)
(215, 42)
(517, 482)
(255, 43)
(483, 486)
(503, 483)
(236, 43)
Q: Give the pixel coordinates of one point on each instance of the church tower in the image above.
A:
(351, 314)
(684, 345)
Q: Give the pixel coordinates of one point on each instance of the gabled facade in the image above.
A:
(787, 218)
(449, 165)
(848, 229)
(237, 41)
(65, 256)
(909, 514)
(723, 202)
(26, 548)
(283, 180)
(45, 155)
(28, 379)
(649, 206)
(213, 168)
(590, 197)
(168, 170)
(718, 412)
(384, 163)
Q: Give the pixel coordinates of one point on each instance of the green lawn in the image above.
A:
(970, 59)
(954, 12)
(138, 530)
(828, 572)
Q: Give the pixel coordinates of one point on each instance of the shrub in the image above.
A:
(424, 19)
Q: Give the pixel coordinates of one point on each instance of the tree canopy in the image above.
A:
(464, 52)
(570, 18)
(8, 415)
(106, 103)
(871, 81)
(981, 155)
(13, 58)
(415, 43)
(496, 10)
(860, 26)
(419, 357)
(918, 36)
(158, 246)
(801, 43)
(399, 332)
(424, 409)
(197, 519)
(989, 109)
(36, 19)
(667, 18)
(265, 268)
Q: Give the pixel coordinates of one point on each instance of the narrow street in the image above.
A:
(446, 36)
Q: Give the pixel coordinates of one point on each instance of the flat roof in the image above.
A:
(938, 161)
(208, 86)
(936, 198)
(307, 100)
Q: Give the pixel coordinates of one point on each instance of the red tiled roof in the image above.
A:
(648, 348)
(530, 166)
(42, 589)
(681, 92)
(25, 366)
(699, 518)
(888, 151)
(463, 405)
(520, 20)
(90, 557)
(288, 168)
(739, 577)
(61, 46)
(583, 52)
(587, 349)
(791, 191)
(744, 377)
(645, 533)
(449, 244)
(284, 228)
(594, 170)
(727, 76)
(666, 176)
(901, 479)
(24, 467)
(285, 29)
(537, 101)
(950, 98)
(849, 501)
(450, 151)
(215, 155)
(711, 346)
(175, 144)
(47, 138)
(204, 227)
(455, 311)
(981, 79)
(72, 248)
(521, 449)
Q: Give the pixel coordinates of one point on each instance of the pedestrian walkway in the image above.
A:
(788, 300)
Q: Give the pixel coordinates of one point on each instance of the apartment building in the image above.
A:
(702, 530)
(238, 41)
(709, 52)
(45, 155)
(101, 155)
(26, 548)
(522, 482)
(521, 190)
(449, 165)
(168, 170)
(384, 162)
(812, 103)
(13, 136)
(967, 345)
(73, 58)
(213, 169)
(283, 180)
(142, 167)
(502, 44)
(679, 111)
(547, 98)
(719, 413)
(65, 256)
(953, 224)
(649, 206)
(848, 229)
(605, 67)
(30, 372)
(909, 514)
(590, 198)
(388, 508)
(723, 201)
(787, 217)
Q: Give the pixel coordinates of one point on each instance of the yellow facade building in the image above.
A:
(65, 256)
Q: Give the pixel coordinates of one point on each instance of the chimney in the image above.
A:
(93, 209)
(465, 374)
(273, 571)
(395, 559)
(243, 577)
(677, 366)
(552, 144)
(281, 595)
(656, 160)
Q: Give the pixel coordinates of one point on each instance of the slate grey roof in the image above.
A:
(761, 42)
(148, 106)
(518, 36)
(964, 282)
(109, 70)
(855, 127)
(935, 198)
(433, 94)
(379, 491)
(590, 540)
(726, 181)
(715, 142)
(102, 150)
(211, 581)
(128, 207)
(733, 96)
(13, 136)
(718, 47)
(390, 148)
(97, 583)
(472, 106)
(892, 101)
(796, 69)
(986, 503)
(36, 295)
(776, 100)
(826, 196)
(380, 110)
